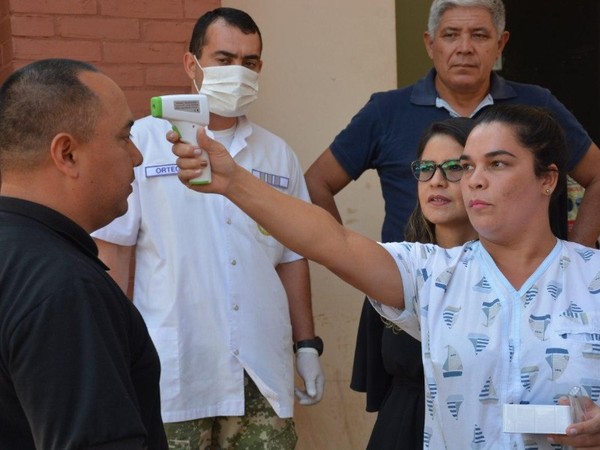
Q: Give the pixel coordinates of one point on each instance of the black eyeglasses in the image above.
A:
(452, 170)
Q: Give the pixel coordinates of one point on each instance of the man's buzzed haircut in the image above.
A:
(39, 101)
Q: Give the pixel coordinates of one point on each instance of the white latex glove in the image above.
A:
(309, 369)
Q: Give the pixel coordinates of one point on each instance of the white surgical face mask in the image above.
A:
(230, 89)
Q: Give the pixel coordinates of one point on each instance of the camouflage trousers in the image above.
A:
(259, 429)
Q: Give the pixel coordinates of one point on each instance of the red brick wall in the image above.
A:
(139, 43)
(6, 54)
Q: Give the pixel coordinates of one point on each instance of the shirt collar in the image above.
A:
(425, 94)
(242, 132)
(441, 103)
(53, 220)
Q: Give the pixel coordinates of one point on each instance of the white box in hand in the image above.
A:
(536, 419)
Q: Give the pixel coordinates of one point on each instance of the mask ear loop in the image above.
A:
(200, 67)
(196, 86)
(196, 60)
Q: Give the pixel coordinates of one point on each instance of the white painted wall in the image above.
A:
(322, 60)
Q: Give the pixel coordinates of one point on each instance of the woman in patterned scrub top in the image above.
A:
(512, 318)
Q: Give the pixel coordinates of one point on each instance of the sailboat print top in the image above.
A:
(485, 343)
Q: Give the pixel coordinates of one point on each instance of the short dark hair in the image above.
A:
(537, 130)
(39, 101)
(418, 228)
(234, 17)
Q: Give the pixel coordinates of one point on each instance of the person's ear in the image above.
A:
(190, 66)
(64, 155)
(502, 41)
(428, 41)
(550, 179)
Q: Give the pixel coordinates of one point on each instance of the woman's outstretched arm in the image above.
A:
(302, 227)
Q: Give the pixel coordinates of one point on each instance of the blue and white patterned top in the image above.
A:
(486, 344)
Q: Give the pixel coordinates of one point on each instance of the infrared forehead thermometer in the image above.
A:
(186, 113)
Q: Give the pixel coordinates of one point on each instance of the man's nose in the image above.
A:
(465, 43)
(136, 155)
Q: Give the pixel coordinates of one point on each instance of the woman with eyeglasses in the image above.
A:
(440, 218)
(509, 319)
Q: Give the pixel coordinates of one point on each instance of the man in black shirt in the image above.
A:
(77, 366)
